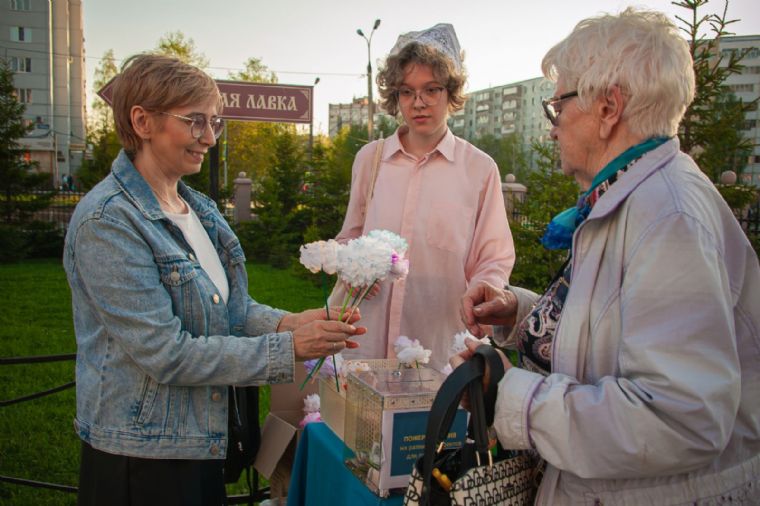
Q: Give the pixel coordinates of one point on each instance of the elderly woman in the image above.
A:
(163, 319)
(638, 380)
(437, 191)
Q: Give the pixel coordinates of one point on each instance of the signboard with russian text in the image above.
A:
(404, 441)
(256, 101)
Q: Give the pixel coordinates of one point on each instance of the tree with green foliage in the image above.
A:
(276, 232)
(180, 46)
(18, 177)
(507, 152)
(732, 150)
(251, 144)
(709, 131)
(385, 126)
(255, 71)
(102, 133)
(549, 192)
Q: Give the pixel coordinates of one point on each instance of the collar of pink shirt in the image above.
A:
(445, 147)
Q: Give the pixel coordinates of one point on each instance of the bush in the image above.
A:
(737, 196)
(34, 240)
(44, 240)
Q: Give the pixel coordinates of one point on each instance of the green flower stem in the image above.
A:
(313, 372)
(335, 368)
(324, 293)
(361, 297)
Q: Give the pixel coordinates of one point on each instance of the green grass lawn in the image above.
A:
(37, 439)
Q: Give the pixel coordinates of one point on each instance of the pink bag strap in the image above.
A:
(373, 176)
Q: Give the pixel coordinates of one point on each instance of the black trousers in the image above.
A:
(116, 480)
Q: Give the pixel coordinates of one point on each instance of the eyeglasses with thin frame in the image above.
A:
(430, 95)
(198, 123)
(552, 113)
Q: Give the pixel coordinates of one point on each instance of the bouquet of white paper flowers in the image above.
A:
(360, 264)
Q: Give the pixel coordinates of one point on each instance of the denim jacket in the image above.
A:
(156, 344)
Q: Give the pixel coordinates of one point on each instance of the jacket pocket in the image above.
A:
(147, 400)
(190, 300)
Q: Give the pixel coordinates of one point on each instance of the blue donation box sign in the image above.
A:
(407, 442)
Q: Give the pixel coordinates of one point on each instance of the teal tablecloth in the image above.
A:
(319, 476)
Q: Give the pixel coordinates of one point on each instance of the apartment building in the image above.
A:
(43, 41)
(746, 86)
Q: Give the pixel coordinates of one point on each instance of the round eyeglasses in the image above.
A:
(430, 95)
(550, 109)
(198, 123)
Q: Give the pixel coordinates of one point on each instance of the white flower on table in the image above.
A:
(410, 352)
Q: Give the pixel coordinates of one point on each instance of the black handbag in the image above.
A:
(243, 435)
(470, 474)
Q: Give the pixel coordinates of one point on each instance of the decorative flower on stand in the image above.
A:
(360, 264)
(311, 406)
(410, 352)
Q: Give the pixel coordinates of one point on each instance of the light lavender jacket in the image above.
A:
(654, 396)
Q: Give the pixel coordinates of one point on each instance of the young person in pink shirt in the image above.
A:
(439, 192)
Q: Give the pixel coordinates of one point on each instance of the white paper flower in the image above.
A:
(320, 256)
(396, 242)
(364, 260)
(349, 366)
(399, 267)
(410, 352)
(311, 403)
(458, 346)
(414, 355)
(403, 342)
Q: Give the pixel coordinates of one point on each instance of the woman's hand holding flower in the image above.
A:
(321, 338)
(292, 321)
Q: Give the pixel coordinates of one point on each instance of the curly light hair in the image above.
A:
(392, 75)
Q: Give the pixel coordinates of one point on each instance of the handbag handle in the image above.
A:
(442, 413)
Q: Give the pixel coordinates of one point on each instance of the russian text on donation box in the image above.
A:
(408, 441)
(385, 422)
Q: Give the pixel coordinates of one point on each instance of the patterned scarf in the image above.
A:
(559, 233)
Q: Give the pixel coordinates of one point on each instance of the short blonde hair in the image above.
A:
(641, 52)
(393, 73)
(157, 83)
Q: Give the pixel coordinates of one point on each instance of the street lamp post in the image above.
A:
(370, 103)
(311, 124)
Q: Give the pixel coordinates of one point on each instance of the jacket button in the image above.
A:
(191, 257)
(216, 396)
(216, 298)
(214, 450)
(174, 276)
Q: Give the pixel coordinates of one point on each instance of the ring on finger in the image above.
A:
(334, 346)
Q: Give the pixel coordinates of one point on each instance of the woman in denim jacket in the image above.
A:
(163, 319)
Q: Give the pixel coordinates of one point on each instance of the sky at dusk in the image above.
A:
(503, 40)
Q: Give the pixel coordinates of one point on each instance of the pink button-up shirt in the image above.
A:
(449, 207)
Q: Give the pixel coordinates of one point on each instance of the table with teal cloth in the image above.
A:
(320, 477)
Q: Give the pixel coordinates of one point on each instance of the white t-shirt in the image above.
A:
(198, 239)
